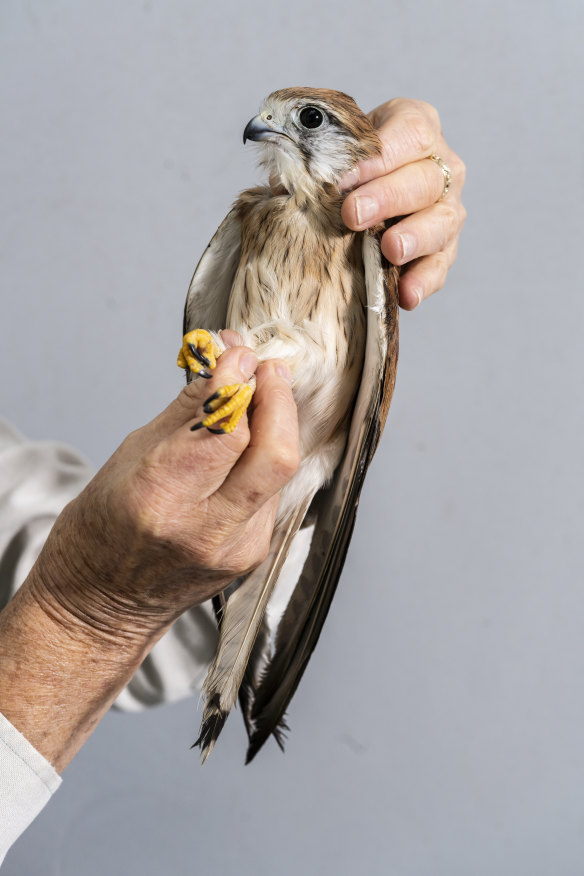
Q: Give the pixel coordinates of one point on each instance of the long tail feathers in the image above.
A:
(240, 623)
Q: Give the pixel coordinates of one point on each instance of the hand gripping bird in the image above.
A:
(285, 272)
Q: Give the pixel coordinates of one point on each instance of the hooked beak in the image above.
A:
(257, 129)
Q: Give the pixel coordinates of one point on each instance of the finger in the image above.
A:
(423, 233)
(273, 453)
(424, 277)
(193, 465)
(404, 191)
(410, 130)
(231, 338)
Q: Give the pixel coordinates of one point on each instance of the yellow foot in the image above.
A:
(199, 352)
(229, 403)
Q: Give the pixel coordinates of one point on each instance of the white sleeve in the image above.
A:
(27, 782)
(37, 480)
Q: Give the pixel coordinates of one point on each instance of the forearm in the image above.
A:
(58, 680)
(170, 519)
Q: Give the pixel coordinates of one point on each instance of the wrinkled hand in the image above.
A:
(174, 515)
(403, 182)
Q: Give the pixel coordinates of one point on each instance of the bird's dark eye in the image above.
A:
(311, 117)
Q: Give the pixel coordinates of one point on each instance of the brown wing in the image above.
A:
(334, 509)
(209, 290)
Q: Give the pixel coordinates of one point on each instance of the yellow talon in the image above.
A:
(199, 352)
(238, 397)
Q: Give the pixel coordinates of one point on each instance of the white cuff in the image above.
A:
(27, 781)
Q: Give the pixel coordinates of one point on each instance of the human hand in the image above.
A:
(403, 182)
(174, 515)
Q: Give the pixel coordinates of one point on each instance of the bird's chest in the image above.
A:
(299, 287)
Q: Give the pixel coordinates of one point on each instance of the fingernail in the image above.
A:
(407, 245)
(248, 363)
(349, 181)
(284, 372)
(366, 209)
(420, 293)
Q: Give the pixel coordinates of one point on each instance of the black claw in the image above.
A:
(219, 431)
(199, 356)
(207, 406)
(197, 426)
(205, 374)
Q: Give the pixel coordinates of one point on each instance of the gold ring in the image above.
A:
(446, 173)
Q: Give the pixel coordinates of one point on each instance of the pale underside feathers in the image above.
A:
(284, 272)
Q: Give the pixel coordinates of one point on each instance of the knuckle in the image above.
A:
(396, 103)
(149, 466)
(146, 475)
(441, 261)
(436, 271)
(458, 169)
(430, 113)
(441, 266)
(421, 135)
(450, 225)
(153, 526)
(397, 106)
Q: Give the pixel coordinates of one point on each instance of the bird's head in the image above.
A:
(311, 137)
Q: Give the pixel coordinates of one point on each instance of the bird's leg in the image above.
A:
(199, 352)
(229, 403)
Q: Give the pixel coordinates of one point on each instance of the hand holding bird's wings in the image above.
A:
(402, 182)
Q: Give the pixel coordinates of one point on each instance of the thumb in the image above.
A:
(198, 462)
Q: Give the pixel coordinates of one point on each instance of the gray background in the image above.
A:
(440, 727)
